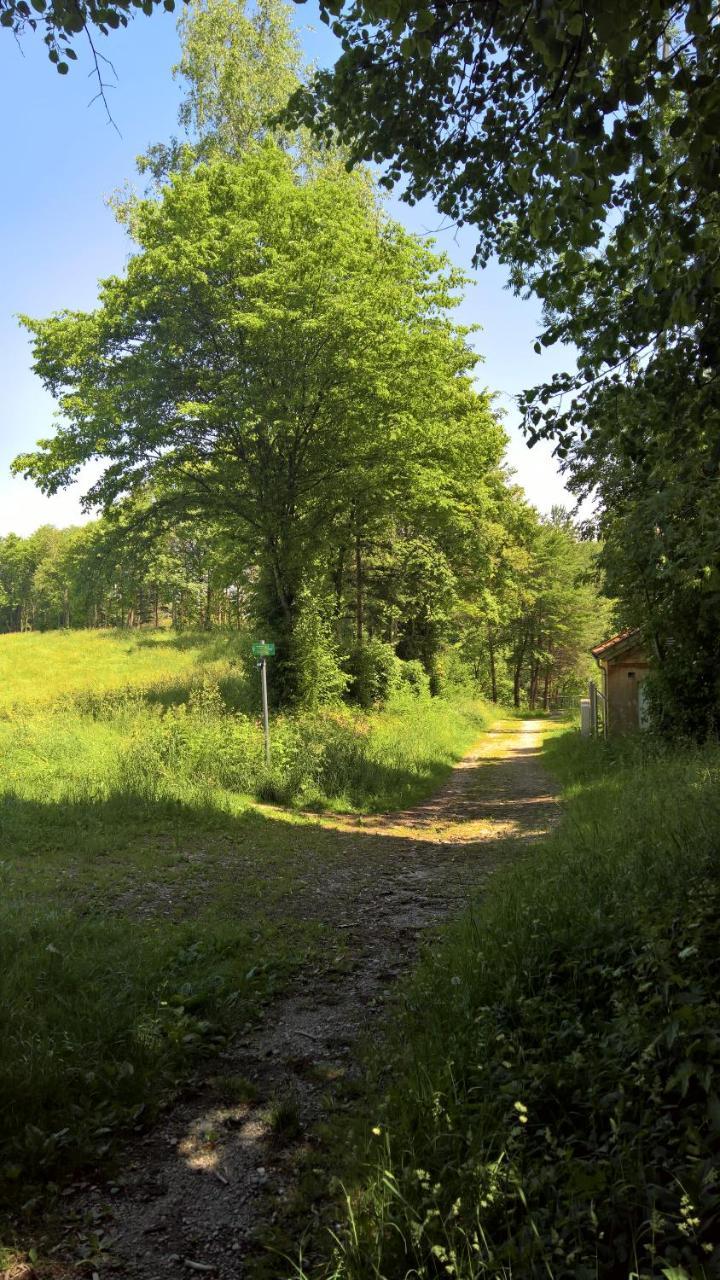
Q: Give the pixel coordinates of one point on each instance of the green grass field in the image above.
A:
(37, 669)
(147, 905)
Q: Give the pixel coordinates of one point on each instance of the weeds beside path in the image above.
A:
(194, 1192)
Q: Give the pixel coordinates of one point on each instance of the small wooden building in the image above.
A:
(625, 663)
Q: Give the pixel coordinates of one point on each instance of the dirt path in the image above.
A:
(196, 1187)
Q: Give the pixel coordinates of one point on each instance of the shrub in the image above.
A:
(206, 700)
(373, 669)
(453, 675)
(414, 677)
(190, 748)
(318, 677)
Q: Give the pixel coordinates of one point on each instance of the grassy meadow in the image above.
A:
(148, 903)
(41, 668)
(545, 1102)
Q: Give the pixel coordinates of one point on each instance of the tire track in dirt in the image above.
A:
(196, 1186)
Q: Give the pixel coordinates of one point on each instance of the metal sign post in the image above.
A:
(266, 719)
(264, 651)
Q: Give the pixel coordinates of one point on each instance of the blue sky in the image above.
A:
(62, 159)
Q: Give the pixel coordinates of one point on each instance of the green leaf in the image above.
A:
(424, 20)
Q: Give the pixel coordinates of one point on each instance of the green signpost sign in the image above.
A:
(264, 649)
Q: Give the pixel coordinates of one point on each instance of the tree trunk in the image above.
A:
(493, 672)
(517, 674)
(533, 687)
(546, 688)
(339, 577)
(358, 592)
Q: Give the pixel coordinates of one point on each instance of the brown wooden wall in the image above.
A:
(623, 677)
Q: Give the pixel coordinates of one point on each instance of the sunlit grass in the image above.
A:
(38, 668)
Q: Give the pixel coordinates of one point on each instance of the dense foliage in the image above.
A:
(515, 622)
(530, 121)
(546, 1103)
(111, 574)
(287, 420)
(582, 143)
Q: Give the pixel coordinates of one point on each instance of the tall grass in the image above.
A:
(334, 757)
(200, 748)
(545, 1105)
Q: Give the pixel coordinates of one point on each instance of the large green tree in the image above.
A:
(272, 344)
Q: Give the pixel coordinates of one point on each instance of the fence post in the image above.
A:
(585, 725)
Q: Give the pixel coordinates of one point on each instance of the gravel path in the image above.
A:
(196, 1187)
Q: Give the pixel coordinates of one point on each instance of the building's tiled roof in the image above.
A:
(623, 638)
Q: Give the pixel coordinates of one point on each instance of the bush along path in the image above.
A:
(196, 1194)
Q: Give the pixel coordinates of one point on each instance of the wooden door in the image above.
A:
(623, 698)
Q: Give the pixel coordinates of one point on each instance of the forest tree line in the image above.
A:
(516, 620)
